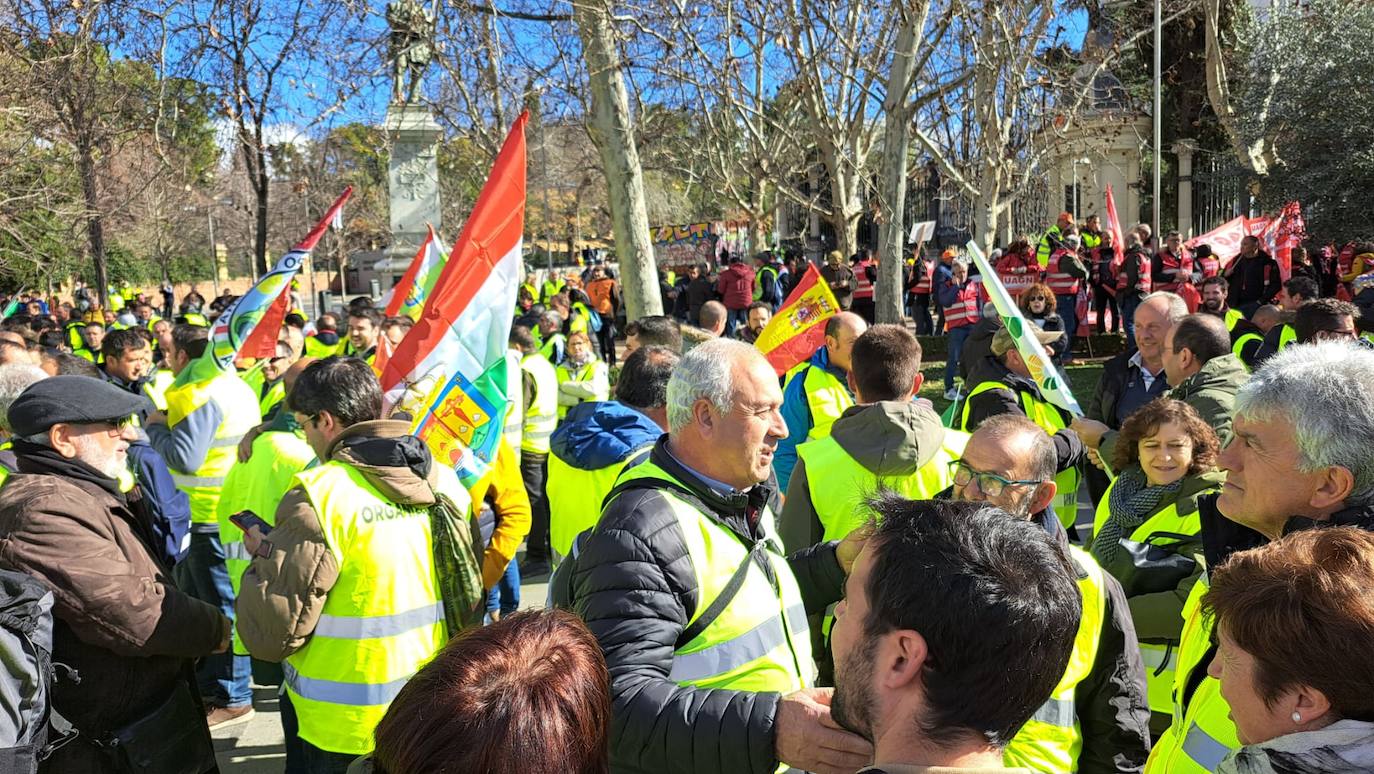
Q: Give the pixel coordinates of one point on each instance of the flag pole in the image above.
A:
(1158, 108)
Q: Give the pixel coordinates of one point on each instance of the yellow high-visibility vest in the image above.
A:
(371, 636)
(240, 414)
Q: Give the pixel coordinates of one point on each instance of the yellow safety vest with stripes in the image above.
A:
(826, 396)
(761, 640)
(1051, 420)
(575, 497)
(838, 484)
(239, 407)
(1201, 734)
(1052, 739)
(515, 403)
(586, 373)
(257, 485)
(371, 636)
(1160, 659)
(541, 416)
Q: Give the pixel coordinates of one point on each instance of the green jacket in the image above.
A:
(1212, 392)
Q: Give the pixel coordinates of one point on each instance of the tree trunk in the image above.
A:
(896, 139)
(758, 238)
(613, 135)
(260, 191)
(95, 226)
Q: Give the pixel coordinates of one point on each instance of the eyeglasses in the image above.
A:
(989, 484)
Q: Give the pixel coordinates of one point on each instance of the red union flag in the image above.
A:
(1114, 226)
(796, 331)
(1224, 239)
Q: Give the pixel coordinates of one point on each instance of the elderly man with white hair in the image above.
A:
(701, 616)
(1300, 458)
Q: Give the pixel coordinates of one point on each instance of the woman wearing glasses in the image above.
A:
(1038, 305)
(1147, 529)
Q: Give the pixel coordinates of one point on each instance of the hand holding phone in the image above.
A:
(256, 542)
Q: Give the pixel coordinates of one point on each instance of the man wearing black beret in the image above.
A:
(120, 623)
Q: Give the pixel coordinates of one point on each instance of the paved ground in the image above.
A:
(256, 747)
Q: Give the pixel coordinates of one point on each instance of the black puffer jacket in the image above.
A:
(635, 587)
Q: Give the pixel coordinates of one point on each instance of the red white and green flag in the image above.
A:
(449, 372)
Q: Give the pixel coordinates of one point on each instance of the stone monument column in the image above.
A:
(1185, 149)
(413, 171)
(412, 177)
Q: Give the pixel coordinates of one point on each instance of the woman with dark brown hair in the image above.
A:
(1295, 652)
(528, 694)
(1147, 530)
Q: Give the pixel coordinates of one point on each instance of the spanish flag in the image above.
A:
(798, 329)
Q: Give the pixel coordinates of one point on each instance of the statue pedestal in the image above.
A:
(413, 182)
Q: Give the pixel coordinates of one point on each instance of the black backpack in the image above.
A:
(30, 729)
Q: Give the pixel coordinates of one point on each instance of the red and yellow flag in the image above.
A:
(798, 329)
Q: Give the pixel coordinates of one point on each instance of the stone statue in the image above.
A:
(412, 47)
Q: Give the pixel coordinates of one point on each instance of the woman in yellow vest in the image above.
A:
(1147, 530)
(582, 377)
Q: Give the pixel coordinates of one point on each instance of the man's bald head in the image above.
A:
(289, 378)
(1266, 317)
(840, 333)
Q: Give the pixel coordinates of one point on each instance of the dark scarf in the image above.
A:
(41, 460)
(1131, 502)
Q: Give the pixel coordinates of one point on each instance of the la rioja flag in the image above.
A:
(449, 372)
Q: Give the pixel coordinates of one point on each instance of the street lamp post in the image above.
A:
(1075, 163)
(1158, 107)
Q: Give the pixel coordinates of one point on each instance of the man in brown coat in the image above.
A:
(120, 623)
(840, 278)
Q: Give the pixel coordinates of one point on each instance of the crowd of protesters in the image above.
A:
(733, 597)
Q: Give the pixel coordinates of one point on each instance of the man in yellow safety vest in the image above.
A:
(344, 589)
(197, 437)
(710, 664)
(1097, 719)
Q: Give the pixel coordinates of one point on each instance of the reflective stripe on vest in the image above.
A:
(238, 406)
(1201, 733)
(965, 310)
(1052, 739)
(371, 637)
(541, 416)
(1060, 283)
(863, 286)
(729, 653)
(1051, 420)
(838, 495)
(586, 373)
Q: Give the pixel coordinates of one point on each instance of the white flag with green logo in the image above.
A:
(1052, 383)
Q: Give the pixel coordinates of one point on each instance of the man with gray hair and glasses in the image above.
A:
(685, 586)
(1300, 458)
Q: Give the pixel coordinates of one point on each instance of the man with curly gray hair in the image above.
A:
(1300, 458)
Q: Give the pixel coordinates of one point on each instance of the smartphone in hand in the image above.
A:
(246, 519)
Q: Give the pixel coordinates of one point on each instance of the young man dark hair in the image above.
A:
(1201, 335)
(654, 330)
(190, 340)
(643, 382)
(1326, 318)
(117, 342)
(958, 622)
(886, 362)
(343, 386)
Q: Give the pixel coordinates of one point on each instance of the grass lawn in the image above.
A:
(1082, 380)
